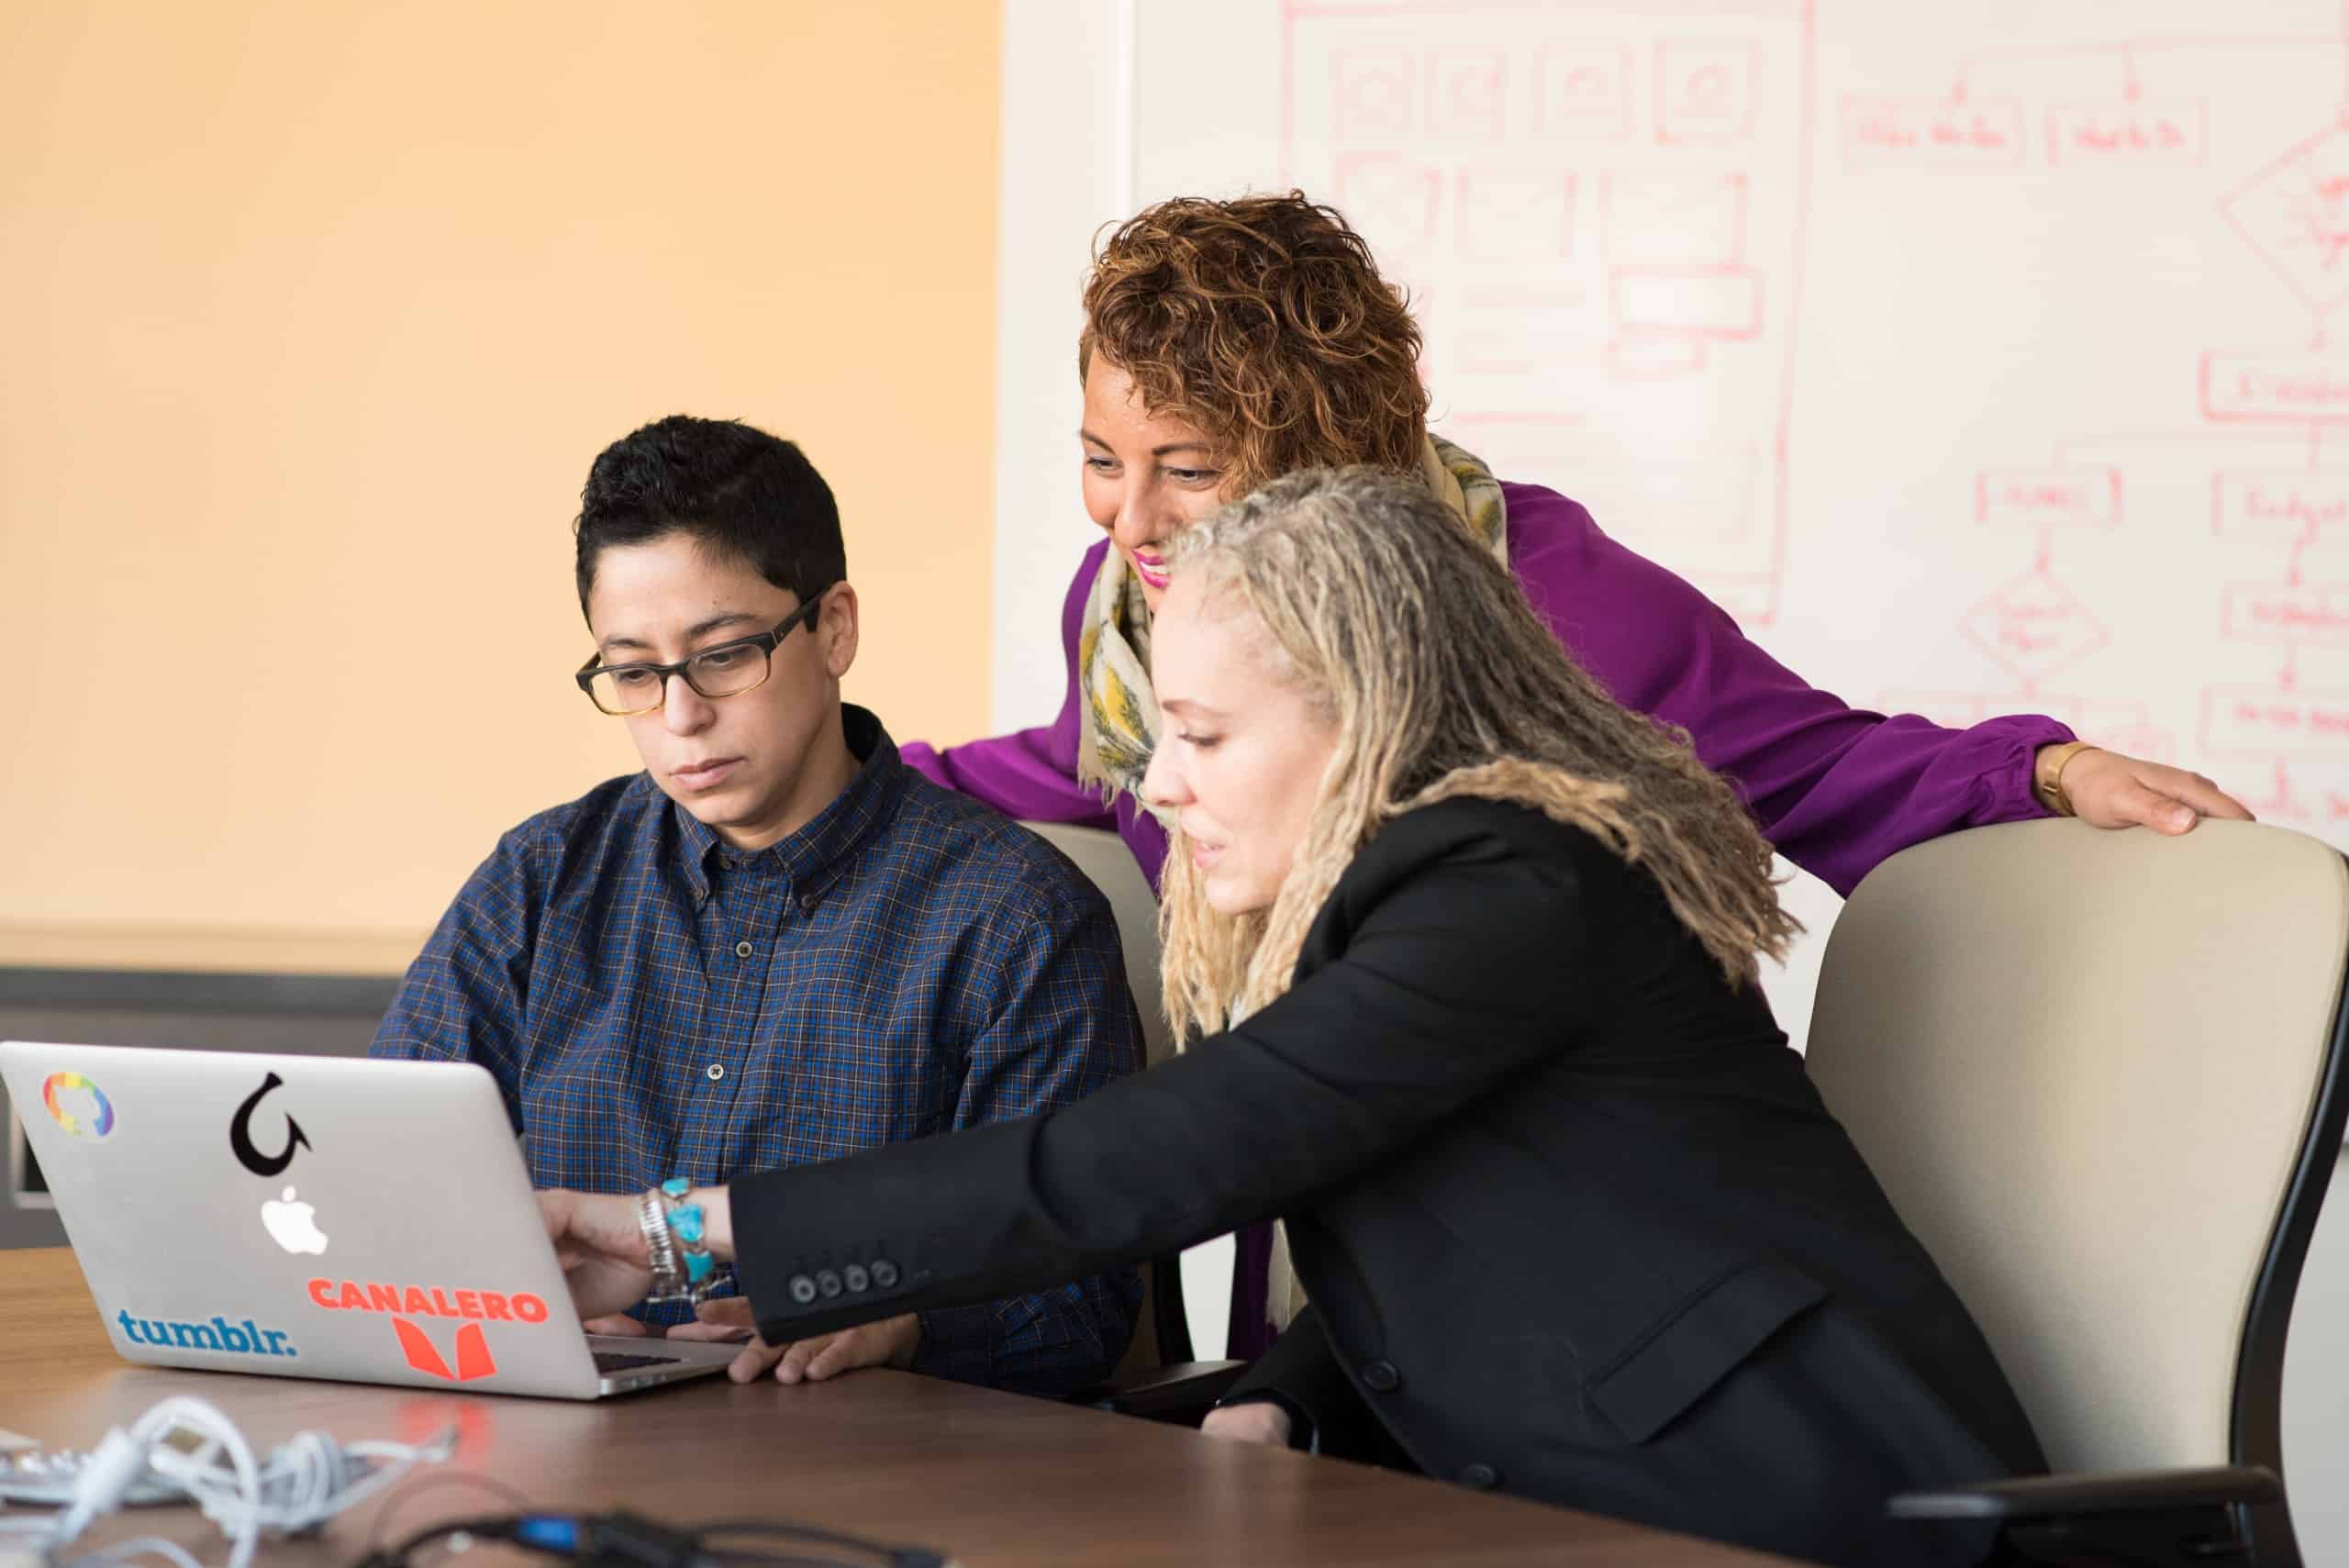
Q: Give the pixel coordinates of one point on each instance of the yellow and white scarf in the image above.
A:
(1120, 718)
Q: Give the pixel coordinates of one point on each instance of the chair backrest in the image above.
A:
(1103, 857)
(2099, 1075)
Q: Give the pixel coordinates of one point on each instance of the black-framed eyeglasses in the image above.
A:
(726, 671)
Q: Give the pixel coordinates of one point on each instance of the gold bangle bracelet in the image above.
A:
(2047, 775)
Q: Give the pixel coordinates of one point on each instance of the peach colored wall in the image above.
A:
(315, 316)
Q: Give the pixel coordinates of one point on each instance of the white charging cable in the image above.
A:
(189, 1447)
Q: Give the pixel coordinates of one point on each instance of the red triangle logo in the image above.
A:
(474, 1360)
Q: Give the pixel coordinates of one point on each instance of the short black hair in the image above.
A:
(737, 490)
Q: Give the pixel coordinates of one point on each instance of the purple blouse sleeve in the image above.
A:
(1836, 789)
(1030, 773)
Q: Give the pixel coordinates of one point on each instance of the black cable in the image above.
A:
(768, 1560)
(623, 1540)
(500, 1527)
(891, 1556)
(437, 1481)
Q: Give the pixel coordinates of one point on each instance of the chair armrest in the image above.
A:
(1186, 1391)
(2163, 1518)
(2134, 1491)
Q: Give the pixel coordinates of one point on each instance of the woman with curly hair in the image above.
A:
(1474, 952)
(1229, 342)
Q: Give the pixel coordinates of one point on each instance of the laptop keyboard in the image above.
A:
(615, 1361)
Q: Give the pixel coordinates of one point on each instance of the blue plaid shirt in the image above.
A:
(655, 1004)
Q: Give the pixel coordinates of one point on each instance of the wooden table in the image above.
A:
(989, 1478)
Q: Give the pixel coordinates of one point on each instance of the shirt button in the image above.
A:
(828, 1283)
(1380, 1377)
(1483, 1477)
(803, 1289)
(715, 1072)
(743, 949)
(858, 1280)
(806, 904)
(885, 1273)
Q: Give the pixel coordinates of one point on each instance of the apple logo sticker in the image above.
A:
(291, 1224)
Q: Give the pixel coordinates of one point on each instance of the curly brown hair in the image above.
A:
(1264, 322)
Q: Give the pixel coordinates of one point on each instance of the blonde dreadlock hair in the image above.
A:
(1439, 682)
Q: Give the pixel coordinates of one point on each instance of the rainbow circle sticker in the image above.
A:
(98, 1128)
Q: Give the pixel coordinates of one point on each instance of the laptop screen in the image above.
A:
(27, 1187)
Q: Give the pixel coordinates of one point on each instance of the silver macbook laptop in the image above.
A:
(315, 1216)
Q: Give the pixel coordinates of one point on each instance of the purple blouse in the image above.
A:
(1835, 789)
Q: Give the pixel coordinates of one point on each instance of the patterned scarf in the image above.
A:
(1121, 715)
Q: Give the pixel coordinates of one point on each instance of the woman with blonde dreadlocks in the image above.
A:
(1228, 343)
(1473, 952)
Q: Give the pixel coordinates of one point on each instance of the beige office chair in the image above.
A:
(1106, 862)
(2100, 1074)
(1157, 1379)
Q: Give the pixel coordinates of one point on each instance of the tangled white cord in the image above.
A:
(190, 1446)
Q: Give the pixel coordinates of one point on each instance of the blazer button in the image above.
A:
(1483, 1477)
(885, 1273)
(858, 1280)
(803, 1289)
(1380, 1377)
(828, 1283)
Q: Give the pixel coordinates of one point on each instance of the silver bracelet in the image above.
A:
(660, 1248)
(683, 1272)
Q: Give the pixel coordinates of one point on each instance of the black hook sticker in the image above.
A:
(241, 1136)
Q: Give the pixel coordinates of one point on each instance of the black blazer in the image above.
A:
(1574, 1221)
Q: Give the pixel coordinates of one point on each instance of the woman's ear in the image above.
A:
(836, 630)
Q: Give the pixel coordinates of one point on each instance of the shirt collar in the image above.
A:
(812, 857)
